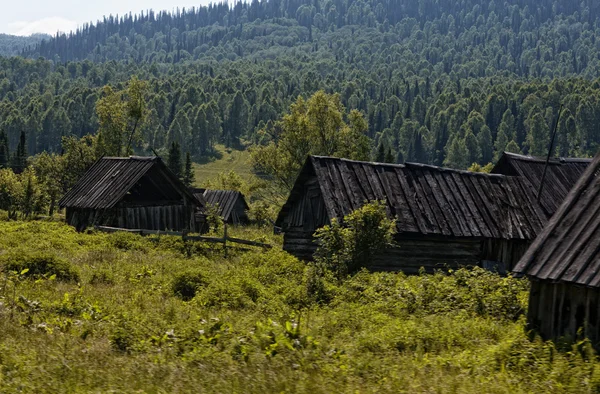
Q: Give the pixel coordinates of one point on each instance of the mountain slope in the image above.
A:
(524, 37)
(14, 45)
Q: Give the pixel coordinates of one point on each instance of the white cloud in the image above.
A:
(46, 25)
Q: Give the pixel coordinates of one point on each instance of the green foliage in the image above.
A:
(102, 277)
(188, 173)
(214, 221)
(120, 113)
(475, 167)
(13, 45)
(21, 193)
(187, 283)
(174, 159)
(254, 324)
(349, 246)
(313, 127)
(112, 121)
(38, 264)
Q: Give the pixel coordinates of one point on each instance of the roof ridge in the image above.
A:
(411, 164)
(554, 160)
(357, 161)
(148, 158)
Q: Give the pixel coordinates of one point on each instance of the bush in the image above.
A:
(186, 284)
(347, 247)
(39, 264)
(128, 241)
(102, 277)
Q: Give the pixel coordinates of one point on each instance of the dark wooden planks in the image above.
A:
(561, 176)
(425, 199)
(568, 250)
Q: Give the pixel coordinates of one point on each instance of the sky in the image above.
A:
(25, 17)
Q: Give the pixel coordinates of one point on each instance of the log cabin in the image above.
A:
(134, 193)
(445, 218)
(563, 264)
(233, 207)
(561, 175)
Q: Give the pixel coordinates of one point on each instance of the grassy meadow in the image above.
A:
(228, 160)
(120, 313)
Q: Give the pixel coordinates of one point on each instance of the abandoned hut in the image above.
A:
(232, 204)
(134, 193)
(561, 175)
(445, 218)
(563, 264)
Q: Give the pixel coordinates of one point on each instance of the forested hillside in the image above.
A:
(14, 45)
(448, 83)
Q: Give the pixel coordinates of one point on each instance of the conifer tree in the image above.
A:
(188, 175)
(512, 147)
(4, 153)
(380, 158)
(174, 159)
(19, 160)
(389, 157)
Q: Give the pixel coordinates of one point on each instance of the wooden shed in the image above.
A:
(131, 192)
(232, 204)
(563, 264)
(445, 217)
(561, 175)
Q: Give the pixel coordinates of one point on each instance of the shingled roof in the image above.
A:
(568, 250)
(561, 176)
(111, 179)
(225, 198)
(426, 199)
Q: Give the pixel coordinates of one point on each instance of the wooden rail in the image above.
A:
(184, 236)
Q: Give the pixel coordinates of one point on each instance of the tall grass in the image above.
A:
(251, 325)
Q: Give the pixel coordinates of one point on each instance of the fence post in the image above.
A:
(225, 237)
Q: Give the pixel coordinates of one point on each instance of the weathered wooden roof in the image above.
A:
(561, 176)
(110, 179)
(427, 199)
(568, 250)
(225, 198)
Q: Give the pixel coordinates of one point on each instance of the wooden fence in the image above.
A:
(199, 238)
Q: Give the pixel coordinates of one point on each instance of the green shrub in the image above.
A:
(128, 241)
(225, 294)
(187, 283)
(102, 277)
(123, 336)
(347, 247)
(39, 264)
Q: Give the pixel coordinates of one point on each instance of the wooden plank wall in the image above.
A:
(506, 251)
(432, 254)
(308, 211)
(559, 309)
(168, 217)
(299, 243)
(408, 256)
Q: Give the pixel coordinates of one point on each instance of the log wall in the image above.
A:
(166, 217)
(560, 309)
(410, 254)
(504, 251)
(299, 243)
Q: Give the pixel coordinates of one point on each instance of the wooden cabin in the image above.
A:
(133, 193)
(233, 207)
(561, 175)
(445, 218)
(563, 264)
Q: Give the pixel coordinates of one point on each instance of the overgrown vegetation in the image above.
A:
(346, 247)
(251, 324)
